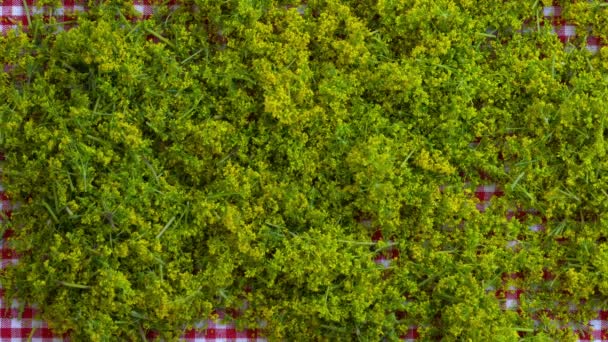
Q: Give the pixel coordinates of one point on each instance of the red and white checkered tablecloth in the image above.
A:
(13, 12)
(14, 327)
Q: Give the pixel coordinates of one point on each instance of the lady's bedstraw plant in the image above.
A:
(231, 151)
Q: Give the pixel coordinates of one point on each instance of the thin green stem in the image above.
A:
(73, 285)
(161, 38)
(166, 227)
(51, 212)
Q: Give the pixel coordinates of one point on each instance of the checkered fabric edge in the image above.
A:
(567, 31)
(20, 323)
(215, 331)
(21, 326)
(18, 12)
(598, 329)
(15, 12)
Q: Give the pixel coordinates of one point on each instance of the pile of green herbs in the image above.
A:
(232, 152)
